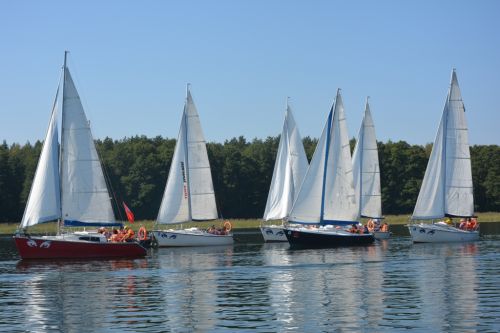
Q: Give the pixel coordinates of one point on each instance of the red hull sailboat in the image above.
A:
(69, 186)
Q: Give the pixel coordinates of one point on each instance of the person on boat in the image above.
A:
(370, 225)
(471, 224)
(384, 227)
(223, 231)
(212, 230)
(474, 224)
(376, 222)
(365, 230)
(354, 229)
(104, 232)
(114, 234)
(128, 235)
(463, 223)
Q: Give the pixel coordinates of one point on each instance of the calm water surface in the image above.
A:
(392, 286)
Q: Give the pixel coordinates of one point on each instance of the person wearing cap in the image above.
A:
(128, 234)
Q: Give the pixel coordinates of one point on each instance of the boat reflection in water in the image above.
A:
(57, 293)
(447, 284)
(392, 285)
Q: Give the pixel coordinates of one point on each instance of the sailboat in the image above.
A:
(326, 202)
(366, 174)
(289, 171)
(189, 194)
(69, 186)
(446, 190)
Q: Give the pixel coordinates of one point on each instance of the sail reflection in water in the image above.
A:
(451, 283)
(389, 286)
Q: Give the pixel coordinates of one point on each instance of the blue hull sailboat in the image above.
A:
(326, 203)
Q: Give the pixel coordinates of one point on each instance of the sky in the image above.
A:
(131, 61)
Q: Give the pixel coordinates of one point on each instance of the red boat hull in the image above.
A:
(42, 248)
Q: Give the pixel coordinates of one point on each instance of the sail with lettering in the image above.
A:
(189, 193)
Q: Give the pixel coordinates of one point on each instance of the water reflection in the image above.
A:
(390, 286)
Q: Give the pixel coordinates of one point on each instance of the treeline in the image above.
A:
(137, 168)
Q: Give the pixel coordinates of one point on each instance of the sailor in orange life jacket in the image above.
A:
(128, 234)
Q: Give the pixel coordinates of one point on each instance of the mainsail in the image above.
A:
(189, 193)
(326, 195)
(289, 170)
(447, 186)
(366, 170)
(85, 197)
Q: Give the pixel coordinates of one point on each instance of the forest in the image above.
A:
(136, 169)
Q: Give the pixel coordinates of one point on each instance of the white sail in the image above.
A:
(307, 206)
(327, 192)
(85, 197)
(289, 170)
(44, 201)
(366, 172)
(201, 188)
(339, 198)
(174, 207)
(447, 185)
(189, 193)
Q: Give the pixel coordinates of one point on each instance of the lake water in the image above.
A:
(391, 286)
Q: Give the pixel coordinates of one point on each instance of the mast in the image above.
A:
(445, 143)
(186, 147)
(327, 150)
(61, 221)
(289, 148)
(361, 146)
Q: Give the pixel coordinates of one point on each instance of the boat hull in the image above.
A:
(53, 248)
(319, 238)
(433, 233)
(273, 233)
(175, 238)
(382, 234)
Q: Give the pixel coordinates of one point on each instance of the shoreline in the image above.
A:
(8, 229)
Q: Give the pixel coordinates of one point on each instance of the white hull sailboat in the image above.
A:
(326, 202)
(273, 233)
(366, 176)
(289, 171)
(70, 189)
(440, 232)
(446, 190)
(189, 193)
(190, 237)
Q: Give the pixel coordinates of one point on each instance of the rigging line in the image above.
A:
(107, 179)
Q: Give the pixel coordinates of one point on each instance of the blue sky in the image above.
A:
(131, 61)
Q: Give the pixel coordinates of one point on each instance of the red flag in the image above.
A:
(130, 215)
